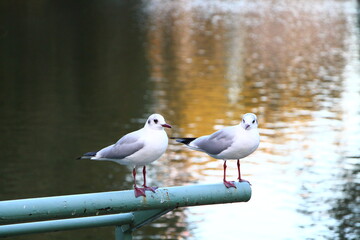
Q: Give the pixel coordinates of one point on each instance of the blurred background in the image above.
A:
(75, 76)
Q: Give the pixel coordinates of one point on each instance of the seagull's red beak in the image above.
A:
(166, 125)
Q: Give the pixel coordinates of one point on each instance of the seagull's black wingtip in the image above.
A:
(184, 140)
(87, 155)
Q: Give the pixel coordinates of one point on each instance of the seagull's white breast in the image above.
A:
(155, 145)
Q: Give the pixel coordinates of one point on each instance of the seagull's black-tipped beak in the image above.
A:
(166, 125)
(247, 126)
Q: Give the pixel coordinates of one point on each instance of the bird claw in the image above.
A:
(229, 184)
(139, 192)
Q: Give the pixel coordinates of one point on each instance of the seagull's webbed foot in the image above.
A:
(243, 180)
(229, 184)
(146, 188)
(139, 192)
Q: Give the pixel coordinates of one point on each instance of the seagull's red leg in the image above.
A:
(239, 174)
(238, 166)
(144, 185)
(227, 183)
(138, 191)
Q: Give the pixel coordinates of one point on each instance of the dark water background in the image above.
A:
(76, 76)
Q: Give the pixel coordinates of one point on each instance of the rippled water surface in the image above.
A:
(76, 77)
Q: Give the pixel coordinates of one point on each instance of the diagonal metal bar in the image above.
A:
(141, 218)
(144, 217)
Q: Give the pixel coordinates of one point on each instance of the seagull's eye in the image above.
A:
(253, 121)
(155, 121)
(243, 121)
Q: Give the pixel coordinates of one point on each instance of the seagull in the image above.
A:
(137, 148)
(229, 143)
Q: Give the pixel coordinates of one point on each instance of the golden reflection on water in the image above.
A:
(209, 68)
(212, 62)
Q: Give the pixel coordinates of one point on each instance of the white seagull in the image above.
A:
(229, 143)
(137, 148)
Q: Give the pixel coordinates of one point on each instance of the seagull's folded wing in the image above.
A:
(214, 143)
(125, 147)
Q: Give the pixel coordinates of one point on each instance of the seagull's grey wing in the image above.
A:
(216, 142)
(126, 146)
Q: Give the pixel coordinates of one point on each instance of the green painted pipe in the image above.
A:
(70, 206)
(66, 224)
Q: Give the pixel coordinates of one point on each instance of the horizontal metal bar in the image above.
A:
(65, 224)
(70, 206)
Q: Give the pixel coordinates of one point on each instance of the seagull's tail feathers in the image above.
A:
(185, 141)
(87, 155)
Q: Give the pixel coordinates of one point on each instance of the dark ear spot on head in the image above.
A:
(149, 121)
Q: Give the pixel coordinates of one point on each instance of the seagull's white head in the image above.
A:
(156, 122)
(249, 121)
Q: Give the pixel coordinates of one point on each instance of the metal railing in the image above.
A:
(120, 208)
